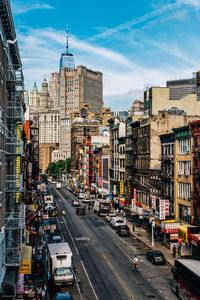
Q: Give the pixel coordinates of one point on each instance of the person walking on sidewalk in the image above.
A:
(174, 251)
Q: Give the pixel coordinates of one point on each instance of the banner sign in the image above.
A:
(167, 207)
(154, 202)
(162, 209)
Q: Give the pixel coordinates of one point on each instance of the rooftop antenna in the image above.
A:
(67, 43)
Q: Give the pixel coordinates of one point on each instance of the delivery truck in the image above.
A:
(102, 206)
(60, 264)
(48, 199)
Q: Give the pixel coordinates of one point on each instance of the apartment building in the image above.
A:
(11, 153)
(183, 174)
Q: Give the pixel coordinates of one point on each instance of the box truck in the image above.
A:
(101, 206)
(60, 264)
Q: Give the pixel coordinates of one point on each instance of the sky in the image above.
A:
(135, 44)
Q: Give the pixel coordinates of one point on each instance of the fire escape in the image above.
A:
(14, 179)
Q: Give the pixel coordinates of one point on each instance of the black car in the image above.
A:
(80, 210)
(156, 257)
(123, 230)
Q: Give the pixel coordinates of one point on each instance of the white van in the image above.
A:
(116, 221)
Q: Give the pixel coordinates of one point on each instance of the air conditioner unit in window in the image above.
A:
(187, 173)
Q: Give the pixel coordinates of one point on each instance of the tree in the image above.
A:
(57, 168)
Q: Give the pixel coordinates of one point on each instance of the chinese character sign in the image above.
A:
(167, 207)
(154, 202)
(133, 205)
(162, 209)
(121, 188)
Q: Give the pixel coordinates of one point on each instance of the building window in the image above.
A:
(184, 190)
(184, 146)
(184, 168)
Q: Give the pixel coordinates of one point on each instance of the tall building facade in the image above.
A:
(44, 107)
(76, 87)
(11, 153)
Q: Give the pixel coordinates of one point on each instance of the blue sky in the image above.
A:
(134, 43)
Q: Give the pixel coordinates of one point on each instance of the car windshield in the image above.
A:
(63, 271)
(158, 253)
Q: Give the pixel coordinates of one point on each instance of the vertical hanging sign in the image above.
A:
(154, 202)
(167, 207)
(162, 209)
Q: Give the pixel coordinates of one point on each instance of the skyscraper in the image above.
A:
(67, 59)
(76, 87)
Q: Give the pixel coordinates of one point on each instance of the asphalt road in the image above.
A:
(103, 260)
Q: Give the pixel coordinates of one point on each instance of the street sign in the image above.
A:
(154, 202)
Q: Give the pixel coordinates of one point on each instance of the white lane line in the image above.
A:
(131, 259)
(80, 256)
(81, 260)
(77, 284)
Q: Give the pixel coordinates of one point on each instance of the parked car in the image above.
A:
(80, 210)
(81, 196)
(109, 217)
(156, 257)
(63, 296)
(75, 203)
(116, 221)
(123, 230)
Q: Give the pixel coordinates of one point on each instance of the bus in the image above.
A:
(186, 279)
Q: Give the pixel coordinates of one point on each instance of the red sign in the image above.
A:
(154, 202)
(170, 227)
(167, 207)
(162, 209)
(134, 194)
(122, 202)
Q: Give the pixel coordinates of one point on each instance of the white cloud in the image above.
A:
(19, 7)
(124, 79)
(195, 3)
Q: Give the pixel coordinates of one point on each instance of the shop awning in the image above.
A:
(25, 266)
(182, 233)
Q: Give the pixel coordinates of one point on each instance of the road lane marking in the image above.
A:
(118, 277)
(77, 283)
(78, 251)
(82, 238)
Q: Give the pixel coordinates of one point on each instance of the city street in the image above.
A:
(103, 260)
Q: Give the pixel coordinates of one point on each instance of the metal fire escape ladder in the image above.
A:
(14, 151)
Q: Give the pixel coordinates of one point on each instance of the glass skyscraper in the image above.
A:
(67, 59)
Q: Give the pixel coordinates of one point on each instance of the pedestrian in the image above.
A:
(133, 225)
(174, 250)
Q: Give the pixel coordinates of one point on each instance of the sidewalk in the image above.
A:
(145, 237)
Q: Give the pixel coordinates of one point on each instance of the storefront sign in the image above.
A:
(154, 202)
(122, 202)
(170, 227)
(186, 250)
(173, 236)
(121, 188)
(134, 194)
(162, 209)
(194, 239)
(167, 207)
(114, 189)
(133, 205)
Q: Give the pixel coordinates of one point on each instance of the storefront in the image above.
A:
(186, 248)
(194, 240)
(169, 229)
(25, 267)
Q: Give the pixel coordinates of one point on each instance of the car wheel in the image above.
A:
(152, 261)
